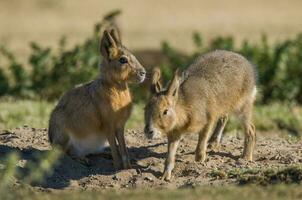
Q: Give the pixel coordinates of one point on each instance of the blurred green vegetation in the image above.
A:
(36, 85)
(279, 65)
(16, 113)
(51, 71)
(274, 117)
(249, 192)
(33, 172)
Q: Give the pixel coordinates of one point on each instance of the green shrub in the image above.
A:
(279, 65)
(50, 72)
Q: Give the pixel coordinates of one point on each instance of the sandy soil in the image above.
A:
(148, 159)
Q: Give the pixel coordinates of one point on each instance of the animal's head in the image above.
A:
(120, 65)
(160, 111)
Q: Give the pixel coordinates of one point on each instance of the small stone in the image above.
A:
(147, 178)
(115, 178)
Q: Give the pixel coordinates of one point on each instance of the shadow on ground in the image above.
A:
(67, 169)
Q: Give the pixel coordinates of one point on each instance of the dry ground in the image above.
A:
(148, 159)
(146, 23)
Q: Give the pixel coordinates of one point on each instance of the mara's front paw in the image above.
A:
(247, 157)
(127, 165)
(118, 166)
(166, 176)
(200, 157)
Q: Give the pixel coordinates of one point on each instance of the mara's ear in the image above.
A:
(173, 87)
(108, 46)
(116, 36)
(156, 85)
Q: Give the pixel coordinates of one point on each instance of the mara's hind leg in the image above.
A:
(215, 140)
(59, 139)
(249, 131)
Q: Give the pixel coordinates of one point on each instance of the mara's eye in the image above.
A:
(123, 60)
(165, 112)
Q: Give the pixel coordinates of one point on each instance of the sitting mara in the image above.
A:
(88, 116)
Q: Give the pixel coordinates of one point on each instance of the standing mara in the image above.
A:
(88, 116)
(215, 85)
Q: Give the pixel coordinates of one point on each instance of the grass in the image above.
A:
(275, 117)
(16, 113)
(137, 117)
(275, 192)
(35, 113)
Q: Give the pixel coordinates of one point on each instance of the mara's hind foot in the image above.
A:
(249, 142)
(167, 175)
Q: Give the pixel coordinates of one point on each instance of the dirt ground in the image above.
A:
(148, 160)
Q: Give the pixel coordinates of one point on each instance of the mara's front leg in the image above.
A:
(201, 149)
(173, 142)
(114, 151)
(123, 148)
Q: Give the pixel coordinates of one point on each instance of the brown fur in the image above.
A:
(89, 115)
(216, 84)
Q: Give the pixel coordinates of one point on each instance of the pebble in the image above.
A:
(147, 178)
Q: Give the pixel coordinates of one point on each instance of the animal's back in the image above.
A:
(219, 78)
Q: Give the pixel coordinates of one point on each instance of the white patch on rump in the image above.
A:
(92, 144)
(254, 93)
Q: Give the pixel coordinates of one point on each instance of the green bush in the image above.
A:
(50, 72)
(279, 65)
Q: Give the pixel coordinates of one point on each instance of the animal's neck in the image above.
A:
(117, 96)
(108, 83)
(182, 116)
(114, 86)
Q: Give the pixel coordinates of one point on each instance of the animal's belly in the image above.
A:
(91, 144)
